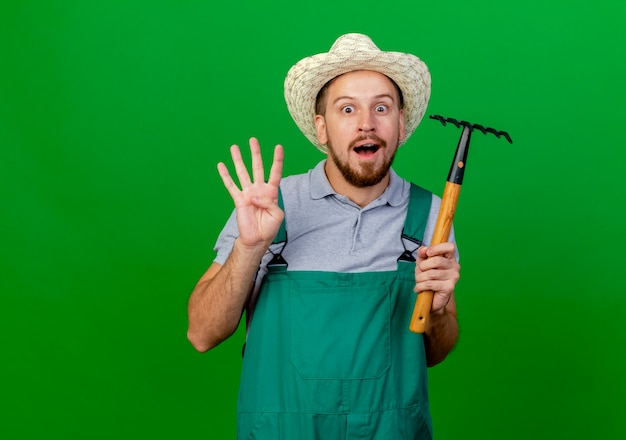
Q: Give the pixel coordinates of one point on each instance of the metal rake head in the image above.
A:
(471, 127)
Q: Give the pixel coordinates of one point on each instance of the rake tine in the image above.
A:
(506, 136)
(482, 128)
(439, 118)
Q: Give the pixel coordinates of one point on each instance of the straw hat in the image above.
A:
(349, 53)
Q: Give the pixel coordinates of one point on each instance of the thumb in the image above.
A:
(275, 211)
(263, 202)
(422, 253)
(421, 256)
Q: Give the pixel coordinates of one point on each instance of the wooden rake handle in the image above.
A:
(441, 234)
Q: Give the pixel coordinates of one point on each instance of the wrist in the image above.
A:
(439, 312)
(249, 252)
(443, 310)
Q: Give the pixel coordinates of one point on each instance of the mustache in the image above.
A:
(370, 137)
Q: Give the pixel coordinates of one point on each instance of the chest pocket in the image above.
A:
(341, 333)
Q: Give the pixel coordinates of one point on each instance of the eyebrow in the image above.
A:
(382, 95)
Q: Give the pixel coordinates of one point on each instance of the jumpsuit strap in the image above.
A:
(281, 237)
(420, 201)
(278, 262)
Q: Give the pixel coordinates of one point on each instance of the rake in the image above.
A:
(449, 200)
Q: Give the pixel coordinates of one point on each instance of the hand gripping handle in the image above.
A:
(441, 234)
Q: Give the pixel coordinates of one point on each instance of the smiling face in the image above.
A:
(362, 127)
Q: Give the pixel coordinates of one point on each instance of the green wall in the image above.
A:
(113, 115)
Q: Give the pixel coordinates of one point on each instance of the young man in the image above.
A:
(326, 263)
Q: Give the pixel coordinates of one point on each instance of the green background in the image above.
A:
(113, 115)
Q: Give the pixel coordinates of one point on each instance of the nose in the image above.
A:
(366, 123)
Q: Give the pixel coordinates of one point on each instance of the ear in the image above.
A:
(401, 125)
(320, 127)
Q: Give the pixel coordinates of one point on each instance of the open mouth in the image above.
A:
(366, 149)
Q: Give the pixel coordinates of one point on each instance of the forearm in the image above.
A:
(218, 300)
(441, 334)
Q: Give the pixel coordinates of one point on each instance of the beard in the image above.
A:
(366, 174)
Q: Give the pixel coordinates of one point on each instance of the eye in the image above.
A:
(347, 109)
(381, 108)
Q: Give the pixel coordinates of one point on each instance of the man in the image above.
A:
(325, 263)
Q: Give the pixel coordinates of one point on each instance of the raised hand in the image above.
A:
(256, 203)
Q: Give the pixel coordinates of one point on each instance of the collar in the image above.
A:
(320, 187)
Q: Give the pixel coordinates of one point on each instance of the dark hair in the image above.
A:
(320, 100)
